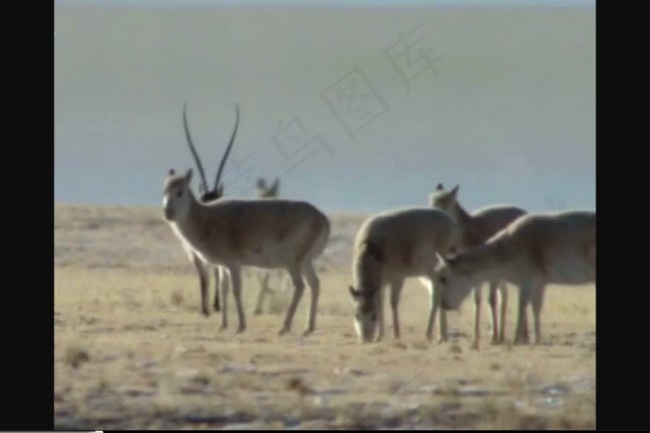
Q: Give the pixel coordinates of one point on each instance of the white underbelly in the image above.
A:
(260, 256)
(264, 259)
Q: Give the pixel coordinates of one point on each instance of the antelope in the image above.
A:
(207, 194)
(531, 252)
(270, 192)
(477, 228)
(233, 233)
(390, 247)
(264, 191)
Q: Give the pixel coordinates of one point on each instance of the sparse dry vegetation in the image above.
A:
(75, 356)
(132, 349)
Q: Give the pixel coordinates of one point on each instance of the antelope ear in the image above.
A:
(353, 292)
(455, 190)
(172, 172)
(201, 188)
(440, 187)
(188, 176)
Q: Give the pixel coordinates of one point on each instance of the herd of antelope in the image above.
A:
(453, 252)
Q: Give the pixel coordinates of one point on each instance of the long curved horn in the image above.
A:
(227, 152)
(189, 141)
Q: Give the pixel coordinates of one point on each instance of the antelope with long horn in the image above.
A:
(531, 252)
(261, 233)
(477, 228)
(207, 194)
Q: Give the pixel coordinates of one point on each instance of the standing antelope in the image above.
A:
(477, 228)
(269, 192)
(264, 191)
(531, 252)
(208, 194)
(389, 248)
(259, 233)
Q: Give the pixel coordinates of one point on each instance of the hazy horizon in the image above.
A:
(508, 113)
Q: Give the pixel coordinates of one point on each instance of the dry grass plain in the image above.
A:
(133, 351)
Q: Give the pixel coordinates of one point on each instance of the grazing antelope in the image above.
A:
(531, 252)
(476, 228)
(389, 248)
(259, 233)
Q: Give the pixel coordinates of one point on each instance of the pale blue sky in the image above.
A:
(510, 116)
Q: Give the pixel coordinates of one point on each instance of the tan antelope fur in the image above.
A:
(531, 252)
(263, 192)
(233, 233)
(389, 248)
(476, 228)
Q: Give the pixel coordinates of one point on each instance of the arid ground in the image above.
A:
(132, 349)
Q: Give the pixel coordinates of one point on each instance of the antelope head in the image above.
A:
(444, 200)
(177, 199)
(206, 193)
(265, 191)
(455, 281)
(365, 296)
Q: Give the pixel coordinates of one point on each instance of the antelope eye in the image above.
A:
(443, 280)
(179, 193)
(373, 316)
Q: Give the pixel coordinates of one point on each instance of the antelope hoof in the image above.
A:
(283, 331)
(223, 327)
(442, 339)
(474, 345)
(240, 329)
(257, 312)
(206, 311)
(307, 332)
(217, 308)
